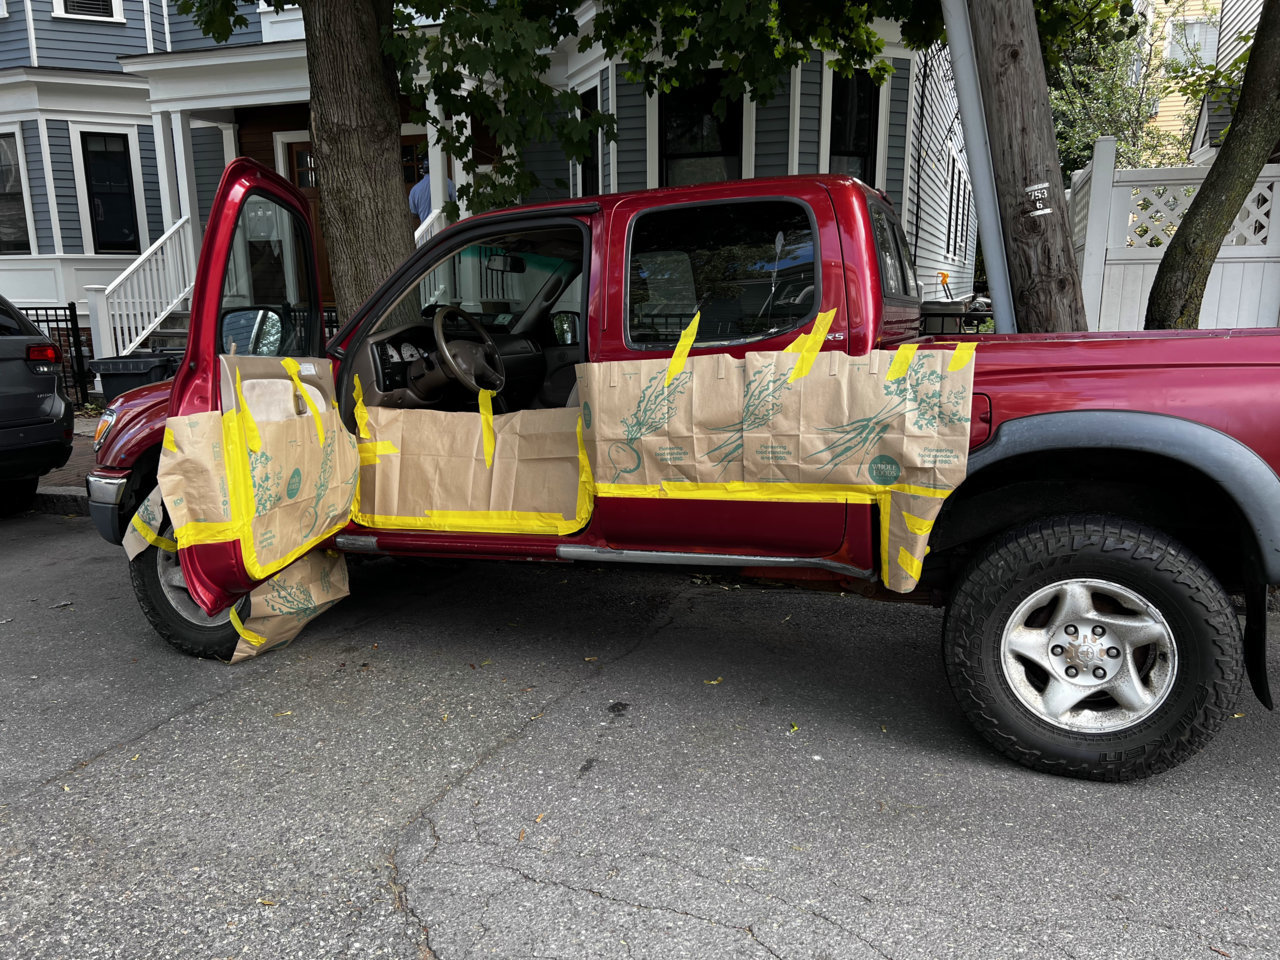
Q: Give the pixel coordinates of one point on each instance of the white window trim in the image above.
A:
(130, 131)
(16, 130)
(4, 12)
(882, 120)
(576, 168)
(281, 140)
(117, 13)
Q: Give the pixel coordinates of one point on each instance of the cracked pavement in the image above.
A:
(553, 761)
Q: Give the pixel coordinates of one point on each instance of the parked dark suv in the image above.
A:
(36, 418)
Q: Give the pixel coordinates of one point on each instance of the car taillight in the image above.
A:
(46, 352)
(43, 357)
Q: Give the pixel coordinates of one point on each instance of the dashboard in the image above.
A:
(388, 360)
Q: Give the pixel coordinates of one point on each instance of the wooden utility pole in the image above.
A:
(1028, 176)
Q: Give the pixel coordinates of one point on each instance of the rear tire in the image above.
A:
(1093, 647)
(162, 593)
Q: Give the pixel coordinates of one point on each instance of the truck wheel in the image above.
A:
(1093, 647)
(162, 593)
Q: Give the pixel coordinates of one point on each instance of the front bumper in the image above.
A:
(106, 489)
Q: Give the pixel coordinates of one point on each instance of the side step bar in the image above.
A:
(575, 552)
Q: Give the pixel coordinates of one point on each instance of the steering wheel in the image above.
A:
(469, 362)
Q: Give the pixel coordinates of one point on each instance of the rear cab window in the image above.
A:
(897, 272)
(748, 268)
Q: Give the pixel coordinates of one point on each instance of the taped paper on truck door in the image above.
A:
(651, 424)
(523, 472)
(890, 428)
(275, 470)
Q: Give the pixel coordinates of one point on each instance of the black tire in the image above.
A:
(172, 613)
(17, 495)
(1051, 586)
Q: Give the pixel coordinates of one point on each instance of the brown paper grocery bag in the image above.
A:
(647, 424)
(274, 470)
(886, 419)
(434, 470)
(280, 607)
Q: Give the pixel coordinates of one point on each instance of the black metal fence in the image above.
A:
(330, 322)
(62, 326)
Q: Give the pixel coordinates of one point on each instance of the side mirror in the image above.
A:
(252, 330)
(565, 325)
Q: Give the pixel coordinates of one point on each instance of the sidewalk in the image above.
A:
(62, 490)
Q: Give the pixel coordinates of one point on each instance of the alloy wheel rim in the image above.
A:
(1089, 656)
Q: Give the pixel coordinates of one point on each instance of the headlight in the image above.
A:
(104, 427)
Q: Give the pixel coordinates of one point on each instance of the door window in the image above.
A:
(748, 268)
(267, 306)
(109, 186)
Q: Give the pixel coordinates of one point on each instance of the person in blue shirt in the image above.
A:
(420, 195)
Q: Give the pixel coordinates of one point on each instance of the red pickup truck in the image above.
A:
(1121, 488)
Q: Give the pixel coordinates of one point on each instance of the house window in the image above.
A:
(697, 146)
(959, 206)
(13, 204)
(748, 267)
(1192, 42)
(591, 162)
(89, 9)
(855, 119)
(109, 186)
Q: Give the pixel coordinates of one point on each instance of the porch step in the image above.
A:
(172, 332)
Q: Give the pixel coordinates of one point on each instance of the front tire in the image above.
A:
(162, 593)
(1093, 647)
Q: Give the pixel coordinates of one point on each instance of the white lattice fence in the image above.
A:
(1129, 225)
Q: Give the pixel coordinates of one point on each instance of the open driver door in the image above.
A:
(256, 467)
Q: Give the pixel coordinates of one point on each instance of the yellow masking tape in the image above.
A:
(291, 367)
(901, 361)
(909, 563)
(780, 492)
(961, 356)
(256, 639)
(486, 426)
(153, 538)
(169, 443)
(808, 345)
(917, 525)
(371, 451)
(676, 366)
(362, 412)
(251, 435)
(586, 483)
(198, 532)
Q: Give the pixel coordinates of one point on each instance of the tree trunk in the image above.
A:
(1180, 280)
(1024, 155)
(355, 139)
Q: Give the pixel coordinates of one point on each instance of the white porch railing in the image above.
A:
(129, 309)
(1121, 223)
(429, 227)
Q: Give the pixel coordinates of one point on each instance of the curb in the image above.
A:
(62, 500)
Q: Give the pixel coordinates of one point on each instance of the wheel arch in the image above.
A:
(1200, 482)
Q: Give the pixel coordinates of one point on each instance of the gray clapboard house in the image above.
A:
(118, 116)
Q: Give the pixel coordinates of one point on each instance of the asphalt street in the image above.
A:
(551, 761)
